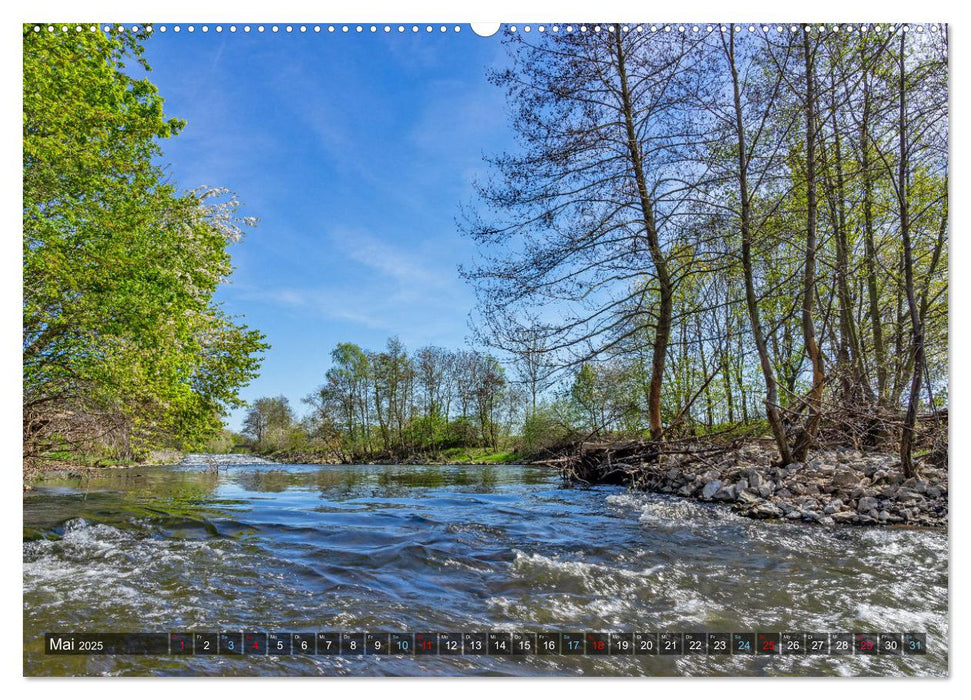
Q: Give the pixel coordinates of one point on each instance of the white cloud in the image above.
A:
(377, 285)
(410, 268)
(335, 305)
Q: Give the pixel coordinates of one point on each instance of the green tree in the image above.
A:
(123, 346)
(268, 420)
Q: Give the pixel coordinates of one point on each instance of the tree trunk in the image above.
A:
(751, 301)
(808, 432)
(916, 323)
(854, 387)
(662, 331)
(870, 249)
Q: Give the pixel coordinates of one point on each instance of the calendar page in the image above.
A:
(513, 349)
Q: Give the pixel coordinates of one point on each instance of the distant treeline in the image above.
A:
(396, 403)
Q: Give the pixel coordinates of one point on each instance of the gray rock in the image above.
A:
(766, 510)
(866, 504)
(747, 498)
(710, 489)
(846, 516)
(827, 521)
(834, 506)
(725, 493)
(845, 478)
(755, 480)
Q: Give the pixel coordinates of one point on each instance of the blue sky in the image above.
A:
(355, 151)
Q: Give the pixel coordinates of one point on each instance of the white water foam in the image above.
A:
(591, 574)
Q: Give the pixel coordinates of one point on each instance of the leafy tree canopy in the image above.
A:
(123, 346)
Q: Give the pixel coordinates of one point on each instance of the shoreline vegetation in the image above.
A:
(838, 485)
(125, 348)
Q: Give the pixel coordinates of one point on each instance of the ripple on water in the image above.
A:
(589, 577)
(371, 548)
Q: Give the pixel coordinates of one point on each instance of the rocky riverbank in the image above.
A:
(836, 486)
(302, 457)
(471, 456)
(218, 461)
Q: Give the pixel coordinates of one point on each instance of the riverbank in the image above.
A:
(92, 468)
(451, 456)
(74, 465)
(835, 486)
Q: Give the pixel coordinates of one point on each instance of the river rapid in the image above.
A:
(306, 548)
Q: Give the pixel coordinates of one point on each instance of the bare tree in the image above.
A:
(581, 214)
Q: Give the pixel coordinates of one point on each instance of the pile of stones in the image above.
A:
(835, 486)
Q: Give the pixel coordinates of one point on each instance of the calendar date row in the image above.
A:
(254, 643)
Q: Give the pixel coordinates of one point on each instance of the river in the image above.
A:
(460, 548)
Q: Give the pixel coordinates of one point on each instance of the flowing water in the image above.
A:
(462, 548)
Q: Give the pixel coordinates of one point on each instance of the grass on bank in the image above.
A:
(479, 455)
